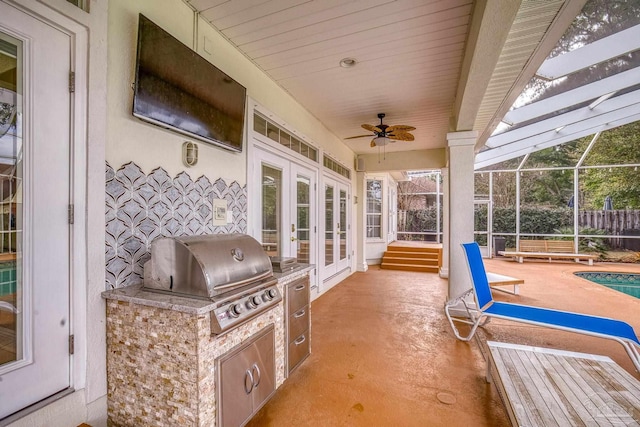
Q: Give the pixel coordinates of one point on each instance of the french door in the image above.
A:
(335, 195)
(287, 221)
(34, 197)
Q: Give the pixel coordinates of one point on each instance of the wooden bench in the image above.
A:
(548, 387)
(549, 249)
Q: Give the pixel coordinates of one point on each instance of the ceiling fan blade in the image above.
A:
(372, 128)
(401, 136)
(359, 136)
(373, 143)
(401, 128)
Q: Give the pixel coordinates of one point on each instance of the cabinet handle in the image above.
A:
(300, 340)
(299, 314)
(299, 288)
(248, 374)
(258, 375)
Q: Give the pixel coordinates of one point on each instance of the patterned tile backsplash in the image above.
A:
(140, 208)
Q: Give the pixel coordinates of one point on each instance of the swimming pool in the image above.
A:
(628, 283)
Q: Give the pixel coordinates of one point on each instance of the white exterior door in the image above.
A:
(35, 173)
(286, 224)
(335, 196)
(303, 189)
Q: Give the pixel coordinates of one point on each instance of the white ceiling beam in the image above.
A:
(507, 152)
(575, 96)
(563, 120)
(488, 160)
(490, 25)
(601, 50)
(571, 129)
(563, 19)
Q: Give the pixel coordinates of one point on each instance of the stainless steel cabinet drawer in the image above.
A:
(298, 322)
(298, 295)
(298, 350)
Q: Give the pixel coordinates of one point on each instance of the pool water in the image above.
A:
(628, 283)
(7, 278)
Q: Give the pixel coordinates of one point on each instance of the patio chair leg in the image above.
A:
(633, 353)
(475, 320)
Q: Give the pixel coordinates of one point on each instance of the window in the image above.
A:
(374, 209)
(336, 166)
(82, 4)
(271, 210)
(272, 131)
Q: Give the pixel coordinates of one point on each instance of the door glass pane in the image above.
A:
(302, 214)
(328, 224)
(343, 224)
(271, 209)
(11, 216)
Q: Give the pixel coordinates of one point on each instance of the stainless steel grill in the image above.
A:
(232, 270)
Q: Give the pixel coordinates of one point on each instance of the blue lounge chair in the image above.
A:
(567, 321)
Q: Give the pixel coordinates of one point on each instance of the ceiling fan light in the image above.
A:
(348, 62)
(381, 141)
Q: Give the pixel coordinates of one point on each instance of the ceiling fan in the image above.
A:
(384, 134)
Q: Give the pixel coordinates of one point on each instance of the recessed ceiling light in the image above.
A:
(347, 62)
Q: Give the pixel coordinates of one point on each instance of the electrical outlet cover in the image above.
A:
(219, 212)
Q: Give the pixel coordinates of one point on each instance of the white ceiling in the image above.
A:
(410, 57)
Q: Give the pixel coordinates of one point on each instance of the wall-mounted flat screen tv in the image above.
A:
(178, 89)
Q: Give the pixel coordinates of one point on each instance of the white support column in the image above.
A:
(361, 213)
(444, 270)
(461, 191)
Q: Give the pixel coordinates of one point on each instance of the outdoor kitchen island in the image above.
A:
(164, 363)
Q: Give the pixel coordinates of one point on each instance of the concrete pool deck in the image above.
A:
(383, 353)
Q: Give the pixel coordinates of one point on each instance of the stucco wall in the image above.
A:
(149, 146)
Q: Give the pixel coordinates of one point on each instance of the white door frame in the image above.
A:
(263, 154)
(297, 170)
(338, 265)
(79, 36)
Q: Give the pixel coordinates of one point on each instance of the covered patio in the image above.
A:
(301, 180)
(384, 354)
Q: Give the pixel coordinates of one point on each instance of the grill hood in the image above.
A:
(206, 266)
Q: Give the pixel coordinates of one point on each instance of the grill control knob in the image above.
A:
(250, 304)
(235, 310)
(256, 300)
(269, 294)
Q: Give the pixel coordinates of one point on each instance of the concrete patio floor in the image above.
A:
(383, 353)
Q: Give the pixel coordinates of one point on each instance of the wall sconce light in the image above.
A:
(189, 153)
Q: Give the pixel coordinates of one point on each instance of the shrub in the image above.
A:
(587, 244)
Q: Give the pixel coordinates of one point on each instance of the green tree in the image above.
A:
(617, 146)
(598, 19)
(553, 187)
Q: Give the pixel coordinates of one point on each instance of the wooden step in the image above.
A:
(412, 258)
(410, 261)
(409, 267)
(415, 255)
(392, 248)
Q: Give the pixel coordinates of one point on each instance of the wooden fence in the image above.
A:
(614, 223)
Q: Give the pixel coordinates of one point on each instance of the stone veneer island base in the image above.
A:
(161, 355)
